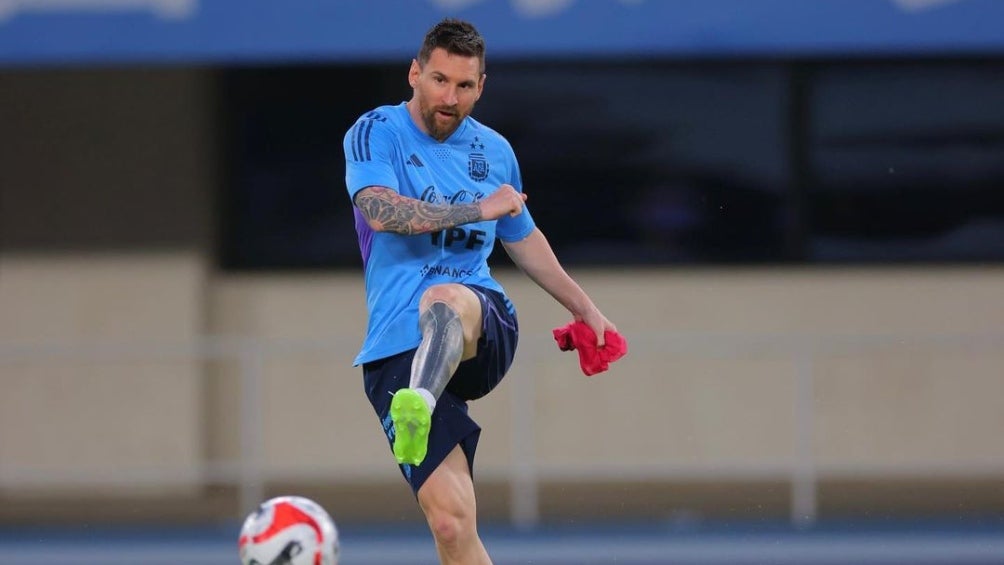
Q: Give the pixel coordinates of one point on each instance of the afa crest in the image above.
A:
(477, 167)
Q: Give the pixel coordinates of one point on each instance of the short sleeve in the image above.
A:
(515, 228)
(369, 154)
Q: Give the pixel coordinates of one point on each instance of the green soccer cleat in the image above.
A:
(411, 417)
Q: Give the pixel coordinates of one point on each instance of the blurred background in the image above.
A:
(793, 210)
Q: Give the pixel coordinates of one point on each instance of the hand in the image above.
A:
(598, 323)
(505, 200)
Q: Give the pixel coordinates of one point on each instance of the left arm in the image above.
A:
(534, 256)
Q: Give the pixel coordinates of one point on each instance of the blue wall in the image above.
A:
(34, 32)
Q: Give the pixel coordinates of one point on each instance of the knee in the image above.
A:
(450, 513)
(450, 526)
(447, 293)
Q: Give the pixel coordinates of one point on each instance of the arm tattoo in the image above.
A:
(389, 211)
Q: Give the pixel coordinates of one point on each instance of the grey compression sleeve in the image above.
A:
(442, 346)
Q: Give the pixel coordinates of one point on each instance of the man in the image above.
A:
(433, 188)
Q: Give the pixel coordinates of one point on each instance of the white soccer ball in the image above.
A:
(288, 530)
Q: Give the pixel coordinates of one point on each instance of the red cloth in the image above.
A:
(580, 337)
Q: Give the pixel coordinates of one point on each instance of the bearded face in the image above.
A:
(445, 90)
(441, 121)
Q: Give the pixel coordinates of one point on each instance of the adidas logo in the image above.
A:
(414, 160)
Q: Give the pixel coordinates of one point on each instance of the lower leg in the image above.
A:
(447, 499)
(449, 320)
(439, 354)
(434, 363)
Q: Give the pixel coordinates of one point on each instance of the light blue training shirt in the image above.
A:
(385, 148)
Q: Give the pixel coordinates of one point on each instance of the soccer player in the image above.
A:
(433, 188)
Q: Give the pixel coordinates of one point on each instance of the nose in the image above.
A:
(450, 96)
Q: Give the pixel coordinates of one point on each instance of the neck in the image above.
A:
(416, 115)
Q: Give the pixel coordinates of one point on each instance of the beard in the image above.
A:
(438, 126)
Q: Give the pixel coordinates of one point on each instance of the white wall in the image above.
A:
(895, 404)
(79, 399)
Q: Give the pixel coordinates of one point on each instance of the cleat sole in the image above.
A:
(412, 420)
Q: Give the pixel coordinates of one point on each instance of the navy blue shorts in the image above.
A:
(474, 378)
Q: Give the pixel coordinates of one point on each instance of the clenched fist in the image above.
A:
(505, 200)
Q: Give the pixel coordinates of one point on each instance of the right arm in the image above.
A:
(387, 211)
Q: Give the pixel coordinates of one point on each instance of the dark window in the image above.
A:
(907, 162)
(657, 162)
(653, 163)
(285, 204)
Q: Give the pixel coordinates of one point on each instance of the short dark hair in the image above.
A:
(457, 37)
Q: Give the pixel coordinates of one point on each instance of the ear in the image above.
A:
(481, 86)
(414, 73)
